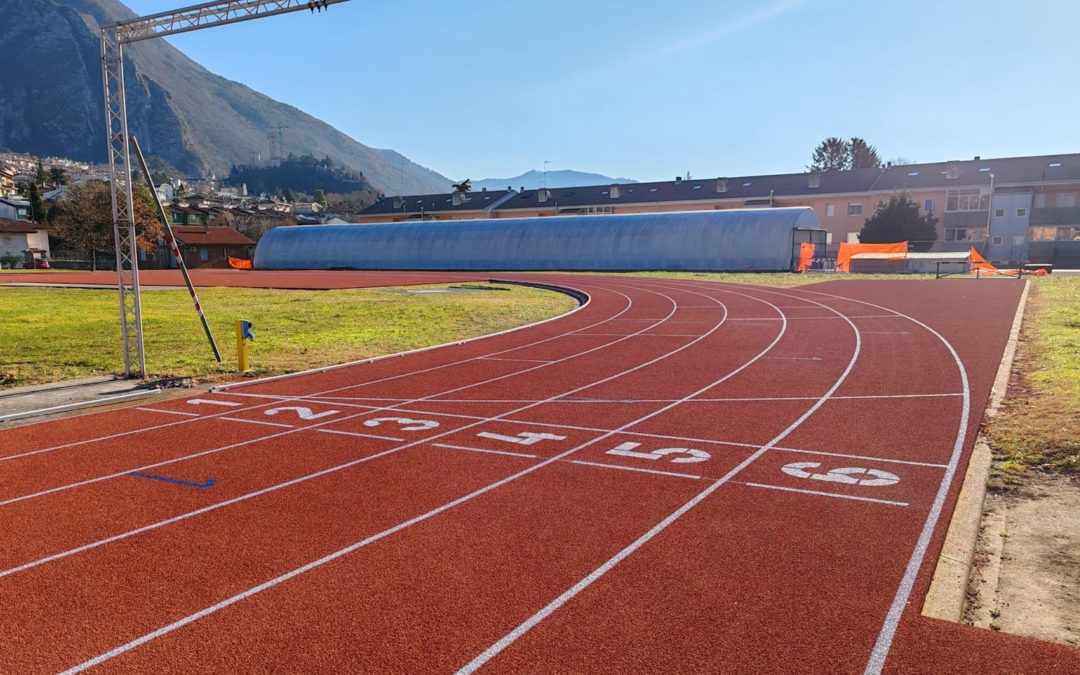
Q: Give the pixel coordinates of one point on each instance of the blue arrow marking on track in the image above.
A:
(175, 481)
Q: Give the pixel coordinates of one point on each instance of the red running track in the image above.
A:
(679, 476)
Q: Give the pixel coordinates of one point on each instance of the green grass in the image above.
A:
(1039, 426)
(52, 334)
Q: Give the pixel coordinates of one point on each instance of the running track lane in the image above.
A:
(749, 577)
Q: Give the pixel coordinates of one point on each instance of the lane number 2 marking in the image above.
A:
(848, 475)
(405, 423)
(692, 455)
(302, 412)
(524, 438)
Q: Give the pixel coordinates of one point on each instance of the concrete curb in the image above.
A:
(948, 589)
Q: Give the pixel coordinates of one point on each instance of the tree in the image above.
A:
(37, 208)
(464, 186)
(42, 175)
(320, 197)
(832, 154)
(899, 220)
(84, 219)
(57, 176)
(863, 155)
(836, 154)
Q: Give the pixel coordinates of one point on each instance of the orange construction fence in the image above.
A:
(239, 263)
(843, 258)
(806, 256)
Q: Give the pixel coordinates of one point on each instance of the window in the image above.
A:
(1054, 233)
(996, 240)
(854, 209)
(999, 213)
(1040, 201)
(973, 199)
(853, 237)
(963, 234)
(1065, 200)
(204, 253)
(928, 205)
(830, 210)
(828, 237)
(1020, 213)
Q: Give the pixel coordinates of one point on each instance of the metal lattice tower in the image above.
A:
(113, 39)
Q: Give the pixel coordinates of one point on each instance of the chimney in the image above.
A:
(721, 185)
(542, 195)
(977, 158)
(952, 170)
(613, 192)
(509, 188)
(678, 179)
(397, 202)
(458, 198)
(814, 180)
(522, 189)
(483, 189)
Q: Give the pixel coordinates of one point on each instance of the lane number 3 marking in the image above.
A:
(405, 423)
(692, 455)
(848, 475)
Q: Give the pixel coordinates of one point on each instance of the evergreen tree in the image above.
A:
(899, 220)
(37, 207)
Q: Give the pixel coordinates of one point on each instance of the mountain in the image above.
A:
(532, 180)
(51, 102)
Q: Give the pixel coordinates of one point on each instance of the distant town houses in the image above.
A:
(22, 243)
(1015, 209)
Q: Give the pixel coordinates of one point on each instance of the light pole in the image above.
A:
(989, 214)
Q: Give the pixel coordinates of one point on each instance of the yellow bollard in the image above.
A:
(243, 334)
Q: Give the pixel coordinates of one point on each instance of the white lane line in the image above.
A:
(484, 450)
(317, 425)
(682, 335)
(344, 400)
(795, 358)
(167, 412)
(497, 358)
(155, 427)
(826, 494)
(634, 468)
(357, 434)
(584, 583)
(176, 519)
(886, 332)
(265, 424)
(345, 551)
(883, 644)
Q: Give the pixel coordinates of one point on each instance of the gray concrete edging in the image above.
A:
(948, 589)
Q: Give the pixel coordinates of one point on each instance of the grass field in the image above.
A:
(52, 334)
(1040, 423)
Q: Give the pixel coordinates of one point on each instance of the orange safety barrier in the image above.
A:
(239, 263)
(843, 258)
(806, 256)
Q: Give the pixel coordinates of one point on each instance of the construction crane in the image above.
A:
(113, 39)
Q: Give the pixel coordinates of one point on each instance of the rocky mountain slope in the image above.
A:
(51, 102)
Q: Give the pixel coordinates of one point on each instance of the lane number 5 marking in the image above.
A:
(692, 455)
(848, 475)
(405, 423)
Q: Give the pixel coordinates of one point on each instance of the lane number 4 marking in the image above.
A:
(692, 455)
(848, 475)
(302, 412)
(524, 438)
(405, 423)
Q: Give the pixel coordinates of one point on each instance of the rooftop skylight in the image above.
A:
(1055, 164)
(984, 169)
(916, 173)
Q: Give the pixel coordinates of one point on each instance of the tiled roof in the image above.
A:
(474, 201)
(196, 235)
(8, 226)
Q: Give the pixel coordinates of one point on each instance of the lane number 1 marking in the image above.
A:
(693, 455)
(203, 401)
(848, 475)
(524, 438)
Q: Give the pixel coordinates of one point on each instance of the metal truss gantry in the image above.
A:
(113, 39)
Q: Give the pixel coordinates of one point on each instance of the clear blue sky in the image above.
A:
(648, 90)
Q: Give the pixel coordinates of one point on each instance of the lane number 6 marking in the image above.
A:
(848, 475)
(627, 450)
(405, 423)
